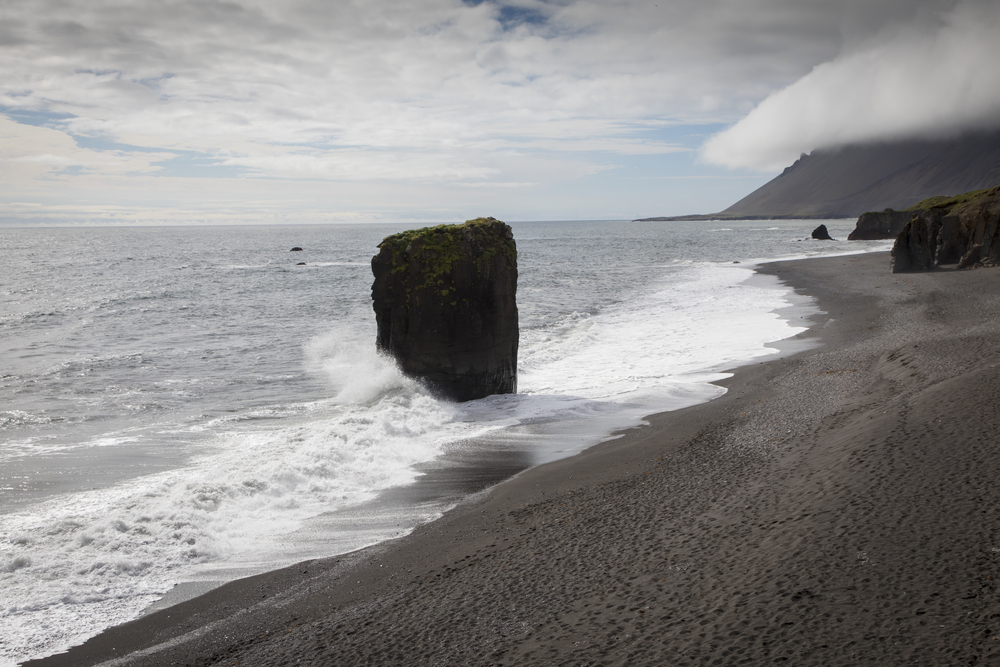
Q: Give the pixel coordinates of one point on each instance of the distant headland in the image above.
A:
(849, 181)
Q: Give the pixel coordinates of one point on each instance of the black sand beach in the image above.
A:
(835, 507)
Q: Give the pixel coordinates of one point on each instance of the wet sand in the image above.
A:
(835, 507)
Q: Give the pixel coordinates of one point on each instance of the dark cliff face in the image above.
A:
(444, 300)
(963, 230)
(880, 225)
(914, 247)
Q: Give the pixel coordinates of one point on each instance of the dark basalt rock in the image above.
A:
(953, 240)
(821, 233)
(444, 300)
(914, 247)
(962, 230)
(880, 225)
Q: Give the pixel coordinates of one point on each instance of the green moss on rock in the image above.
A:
(436, 250)
(946, 202)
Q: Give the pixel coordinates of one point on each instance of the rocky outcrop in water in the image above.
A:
(962, 231)
(821, 233)
(444, 300)
(880, 225)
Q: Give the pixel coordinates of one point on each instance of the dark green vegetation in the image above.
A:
(947, 203)
(439, 248)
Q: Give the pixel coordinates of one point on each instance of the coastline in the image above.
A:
(831, 507)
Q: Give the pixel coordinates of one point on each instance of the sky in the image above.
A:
(320, 111)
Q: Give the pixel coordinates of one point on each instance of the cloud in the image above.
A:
(932, 77)
(243, 77)
(27, 152)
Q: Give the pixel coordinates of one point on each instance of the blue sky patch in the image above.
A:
(195, 165)
(35, 118)
(101, 144)
(511, 17)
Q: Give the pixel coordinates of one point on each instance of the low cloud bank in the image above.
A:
(933, 77)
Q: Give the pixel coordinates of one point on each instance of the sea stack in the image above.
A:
(821, 233)
(444, 300)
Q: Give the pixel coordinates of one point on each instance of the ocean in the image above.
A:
(187, 405)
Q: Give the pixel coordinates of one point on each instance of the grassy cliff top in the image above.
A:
(947, 202)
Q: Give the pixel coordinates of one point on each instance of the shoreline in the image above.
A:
(816, 511)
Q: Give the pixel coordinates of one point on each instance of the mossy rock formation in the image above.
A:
(963, 231)
(444, 300)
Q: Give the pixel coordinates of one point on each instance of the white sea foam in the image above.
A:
(680, 332)
(80, 563)
(355, 371)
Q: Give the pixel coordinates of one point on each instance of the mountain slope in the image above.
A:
(846, 182)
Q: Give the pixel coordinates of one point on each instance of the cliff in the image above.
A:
(846, 182)
(963, 230)
(879, 225)
(444, 300)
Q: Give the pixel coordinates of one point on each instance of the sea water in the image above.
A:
(191, 403)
